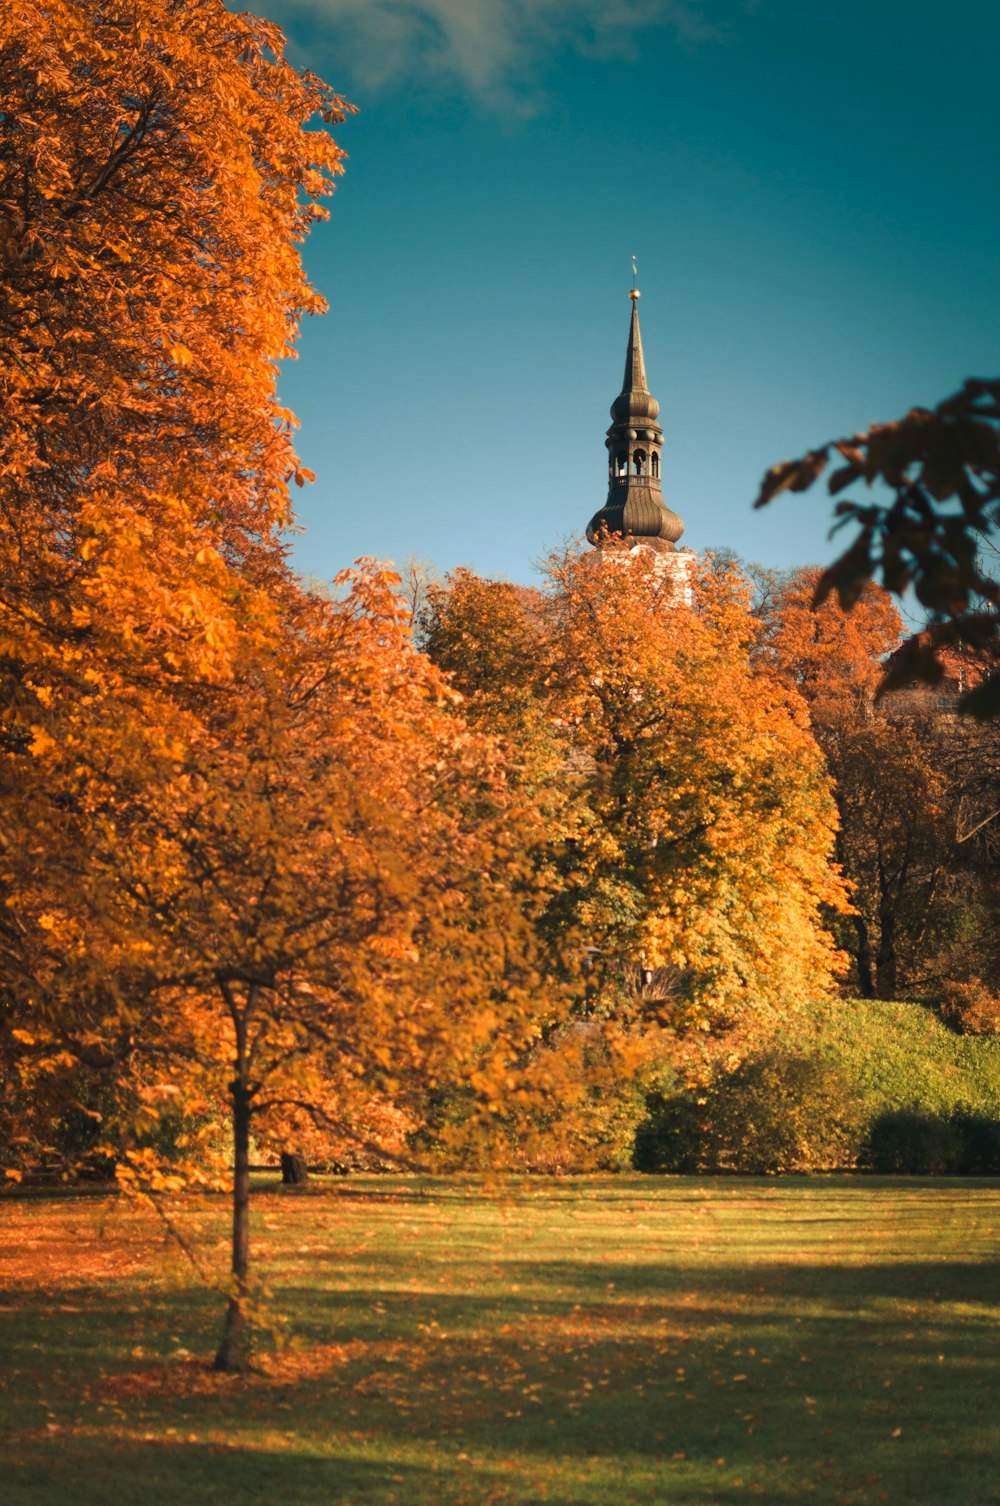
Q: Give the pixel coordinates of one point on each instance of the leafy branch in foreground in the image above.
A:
(942, 468)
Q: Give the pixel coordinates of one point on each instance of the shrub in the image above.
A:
(781, 1112)
(894, 1060)
(671, 1137)
(776, 1112)
(914, 1142)
(980, 1143)
(971, 1008)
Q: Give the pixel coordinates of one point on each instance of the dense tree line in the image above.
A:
(916, 783)
(914, 780)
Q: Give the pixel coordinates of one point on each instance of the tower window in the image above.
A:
(639, 461)
(654, 463)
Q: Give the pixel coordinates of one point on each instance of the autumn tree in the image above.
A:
(961, 939)
(703, 823)
(835, 659)
(894, 796)
(893, 844)
(712, 813)
(319, 912)
(156, 179)
(157, 176)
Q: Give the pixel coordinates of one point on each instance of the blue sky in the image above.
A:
(810, 189)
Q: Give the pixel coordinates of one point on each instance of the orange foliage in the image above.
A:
(338, 862)
(696, 823)
(156, 178)
(156, 181)
(325, 911)
(890, 795)
(713, 821)
(252, 862)
(834, 657)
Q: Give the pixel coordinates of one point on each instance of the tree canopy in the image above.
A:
(701, 826)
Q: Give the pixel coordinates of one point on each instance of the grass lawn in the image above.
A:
(600, 1341)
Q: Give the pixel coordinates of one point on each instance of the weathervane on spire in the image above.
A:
(635, 291)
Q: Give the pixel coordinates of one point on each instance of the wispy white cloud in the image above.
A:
(493, 49)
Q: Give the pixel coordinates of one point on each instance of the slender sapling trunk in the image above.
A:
(233, 1350)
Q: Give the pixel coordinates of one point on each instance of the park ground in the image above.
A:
(581, 1342)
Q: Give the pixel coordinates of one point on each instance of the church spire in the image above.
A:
(635, 508)
(635, 363)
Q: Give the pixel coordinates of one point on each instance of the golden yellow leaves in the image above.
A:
(715, 792)
(680, 772)
(41, 742)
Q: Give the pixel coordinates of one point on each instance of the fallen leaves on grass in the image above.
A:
(64, 1244)
(190, 1377)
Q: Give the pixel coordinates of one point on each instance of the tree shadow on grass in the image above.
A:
(555, 1287)
(874, 1378)
(132, 1472)
(606, 1380)
(135, 1472)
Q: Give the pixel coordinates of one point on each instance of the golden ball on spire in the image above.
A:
(634, 294)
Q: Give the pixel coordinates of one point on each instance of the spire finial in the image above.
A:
(634, 294)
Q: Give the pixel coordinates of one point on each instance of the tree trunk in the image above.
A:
(232, 1352)
(885, 958)
(866, 982)
(293, 1169)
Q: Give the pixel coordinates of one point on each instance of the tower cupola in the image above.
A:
(635, 509)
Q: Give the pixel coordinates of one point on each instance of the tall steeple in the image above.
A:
(635, 509)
